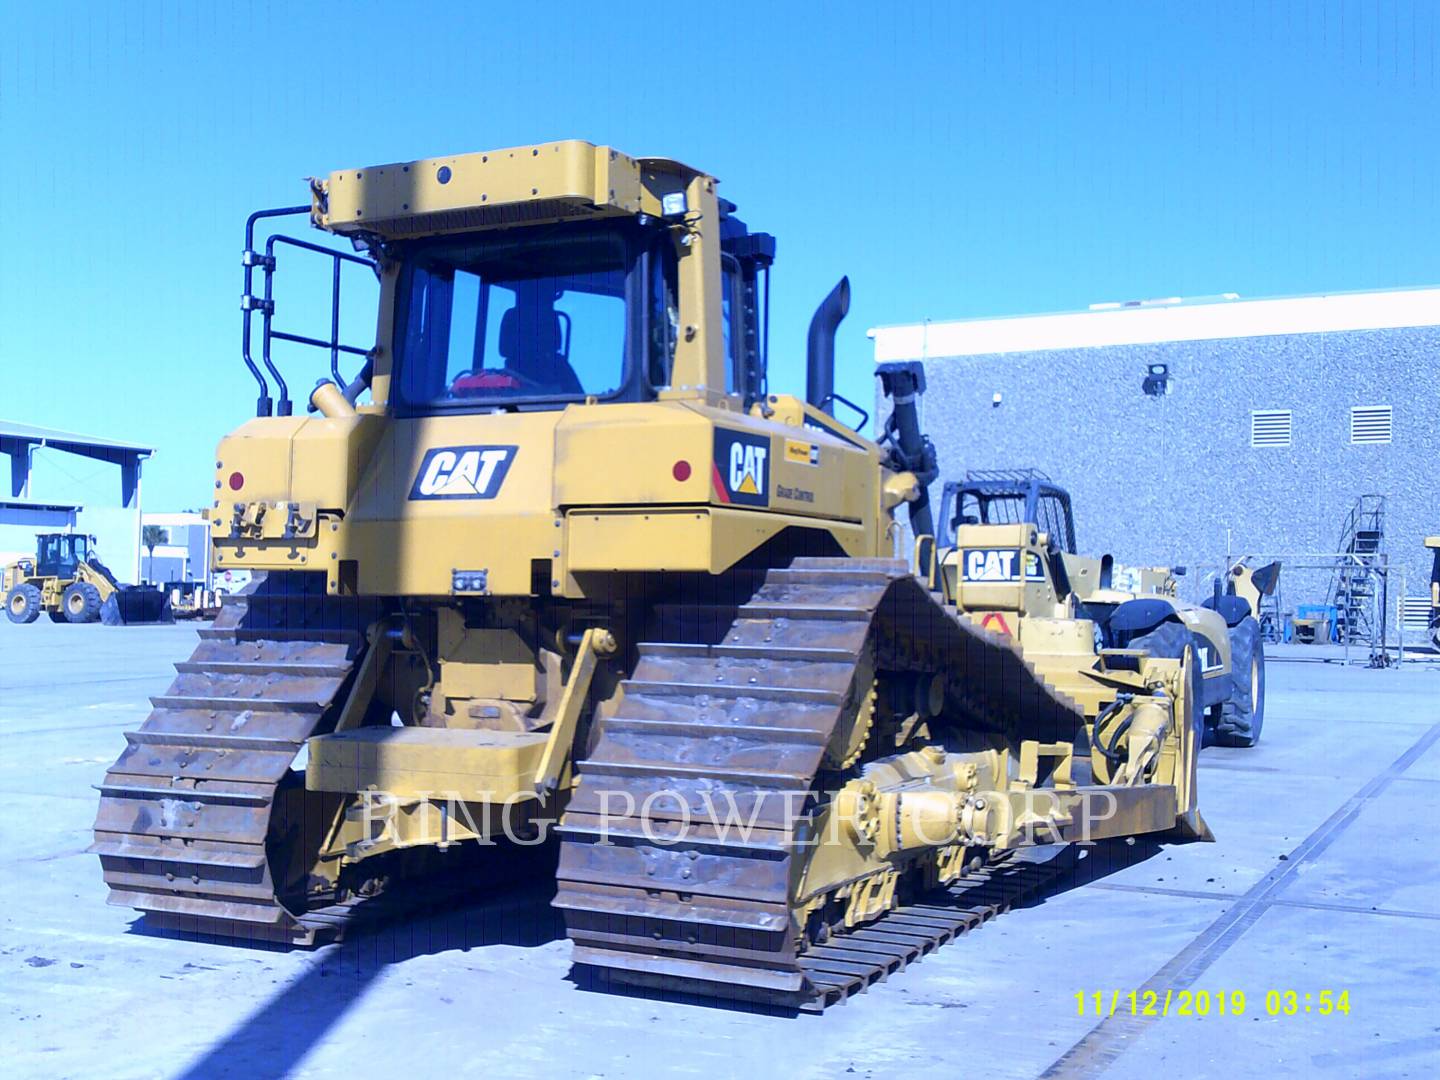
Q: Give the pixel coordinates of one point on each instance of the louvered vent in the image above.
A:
(1415, 614)
(1270, 427)
(1370, 424)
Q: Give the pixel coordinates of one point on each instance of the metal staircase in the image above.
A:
(1358, 584)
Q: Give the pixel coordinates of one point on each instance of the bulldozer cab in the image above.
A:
(59, 555)
(507, 316)
(534, 318)
(539, 318)
(1008, 497)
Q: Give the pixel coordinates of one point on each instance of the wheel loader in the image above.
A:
(550, 562)
(1008, 558)
(67, 582)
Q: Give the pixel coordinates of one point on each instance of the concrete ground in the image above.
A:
(1325, 876)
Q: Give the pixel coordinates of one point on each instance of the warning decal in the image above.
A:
(993, 620)
(798, 452)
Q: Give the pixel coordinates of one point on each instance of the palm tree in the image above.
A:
(152, 536)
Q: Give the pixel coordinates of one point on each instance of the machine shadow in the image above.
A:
(1096, 862)
(272, 1040)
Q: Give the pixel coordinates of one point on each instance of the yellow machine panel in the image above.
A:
(419, 762)
(533, 184)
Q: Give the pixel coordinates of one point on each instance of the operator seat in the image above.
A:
(532, 349)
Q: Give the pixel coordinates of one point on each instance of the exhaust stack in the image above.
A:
(820, 346)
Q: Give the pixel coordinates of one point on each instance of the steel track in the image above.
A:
(659, 896)
(201, 812)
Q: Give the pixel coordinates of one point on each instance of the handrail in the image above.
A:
(249, 260)
(265, 305)
(268, 311)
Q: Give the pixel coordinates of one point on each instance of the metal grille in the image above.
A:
(1270, 427)
(1370, 424)
(1415, 614)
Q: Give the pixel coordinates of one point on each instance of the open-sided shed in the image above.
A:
(117, 527)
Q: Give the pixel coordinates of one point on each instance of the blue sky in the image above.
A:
(954, 159)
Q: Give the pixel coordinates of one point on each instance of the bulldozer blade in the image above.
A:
(127, 607)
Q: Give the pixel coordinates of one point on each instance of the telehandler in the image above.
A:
(67, 582)
(555, 550)
(1433, 627)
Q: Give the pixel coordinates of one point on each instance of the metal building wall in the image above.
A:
(1174, 479)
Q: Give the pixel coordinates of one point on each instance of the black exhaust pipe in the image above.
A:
(820, 347)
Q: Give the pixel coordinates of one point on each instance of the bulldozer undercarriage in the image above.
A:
(779, 799)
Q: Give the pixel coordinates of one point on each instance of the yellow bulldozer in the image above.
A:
(554, 558)
(1006, 555)
(66, 581)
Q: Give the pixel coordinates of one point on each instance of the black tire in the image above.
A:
(57, 615)
(1168, 640)
(81, 603)
(1243, 716)
(22, 604)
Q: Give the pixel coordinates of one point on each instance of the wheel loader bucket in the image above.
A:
(127, 607)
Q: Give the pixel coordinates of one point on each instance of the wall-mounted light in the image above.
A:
(995, 400)
(1157, 380)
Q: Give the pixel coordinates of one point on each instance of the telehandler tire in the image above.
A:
(22, 604)
(1170, 640)
(81, 603)
(1243, 716)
